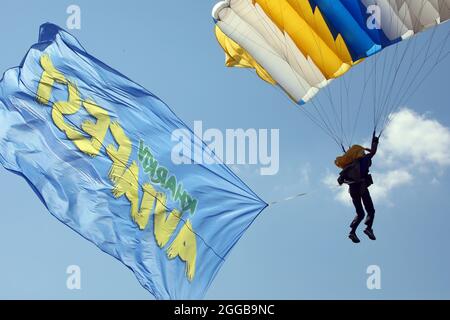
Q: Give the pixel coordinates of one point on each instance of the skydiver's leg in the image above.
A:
(368, 205)
(355, 193)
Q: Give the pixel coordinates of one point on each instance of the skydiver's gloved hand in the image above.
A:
(340, 180)
(374, 147)
(375, 139)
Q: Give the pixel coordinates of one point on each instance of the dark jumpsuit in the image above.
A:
(360, 195)
(360, 191)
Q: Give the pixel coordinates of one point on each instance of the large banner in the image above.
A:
(98, 150)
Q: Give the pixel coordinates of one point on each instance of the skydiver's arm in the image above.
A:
(373, 149)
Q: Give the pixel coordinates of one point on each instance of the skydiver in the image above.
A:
(357, 176)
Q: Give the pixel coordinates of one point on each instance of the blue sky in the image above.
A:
(295, 250)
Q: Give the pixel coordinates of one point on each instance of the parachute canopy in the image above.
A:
(301, 45)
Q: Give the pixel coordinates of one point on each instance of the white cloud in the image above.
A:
(411, 145)
(305, 172)
(384, 183)
(416, 139)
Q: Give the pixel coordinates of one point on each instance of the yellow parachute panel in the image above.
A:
(317, 22)
(305, 38)
(236, 56)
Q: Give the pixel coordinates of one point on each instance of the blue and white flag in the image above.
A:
(97, 149)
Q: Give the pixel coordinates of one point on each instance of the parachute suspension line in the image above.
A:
(348, 102)
(416, 74)
(325, 127)
(340, 110)
(390, 85)
(440, 57)
(393, 104)
(375, 90)
(389, 120)
(351, 117)
(385, 79)
(341, 97)
(360, 104)
(323, 116)
(328, 94)
(384, 82)
(437, 62)
(384, 93)
(341, 114)
(319, 122)
(331, 131)
(393, 62)
(389, 105)
(383, 111)
(385, 88)
(327, 91)
(424, 63)
(367, 79)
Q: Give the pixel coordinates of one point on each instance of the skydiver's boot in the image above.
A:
(369, 233)
(354, 237)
